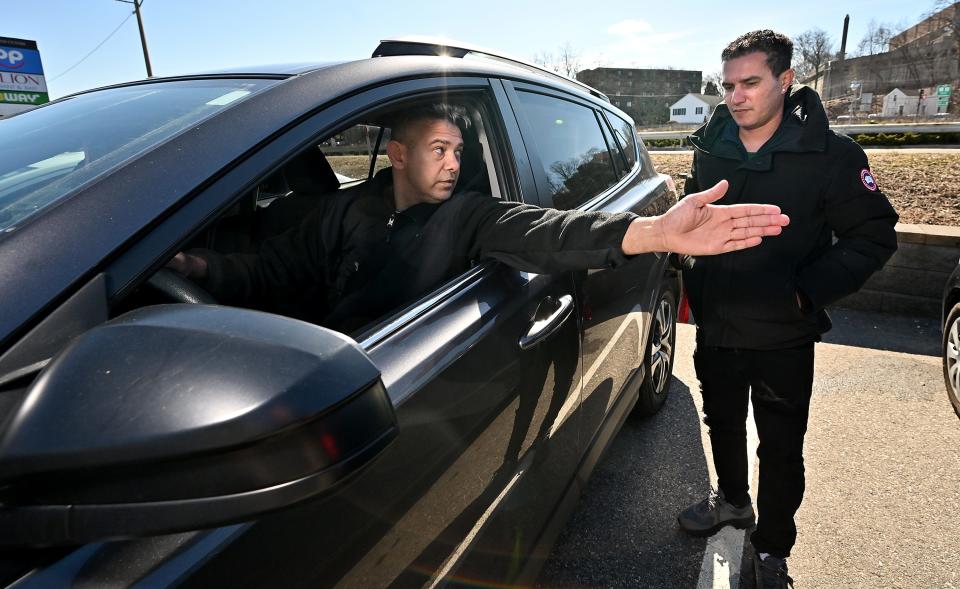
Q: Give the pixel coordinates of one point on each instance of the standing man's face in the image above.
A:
(752, 93)
(429, 160)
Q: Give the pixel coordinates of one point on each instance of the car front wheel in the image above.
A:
(658, 360)
(951, 356)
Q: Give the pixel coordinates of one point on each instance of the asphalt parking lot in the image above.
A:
(882, 507)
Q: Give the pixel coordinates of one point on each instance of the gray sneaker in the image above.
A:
(711, 514)
(771, 573)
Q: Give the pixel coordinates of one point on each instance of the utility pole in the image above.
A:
(143, 36)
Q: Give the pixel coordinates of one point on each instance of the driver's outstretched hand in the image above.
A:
(696, 227)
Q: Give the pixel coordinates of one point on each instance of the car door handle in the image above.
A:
(557, 311)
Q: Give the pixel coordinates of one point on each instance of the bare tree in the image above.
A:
(567, 61)
(713, 82)
(816, 48)
(544, 59)
(877, 38)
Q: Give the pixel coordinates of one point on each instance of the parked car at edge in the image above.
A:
(951, 338)
(150, 437)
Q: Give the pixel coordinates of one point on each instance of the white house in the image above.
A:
(901, 103)
(693, 108)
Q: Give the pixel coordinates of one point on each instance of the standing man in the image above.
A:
(759, 311)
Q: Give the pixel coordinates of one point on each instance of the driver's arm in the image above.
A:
(286, 263)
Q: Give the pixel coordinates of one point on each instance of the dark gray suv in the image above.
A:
(150, 437)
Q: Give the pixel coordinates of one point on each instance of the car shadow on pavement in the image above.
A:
(880, 331)
(624, 532)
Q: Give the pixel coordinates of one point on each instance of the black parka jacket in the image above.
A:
(822, 181)
(354, 257)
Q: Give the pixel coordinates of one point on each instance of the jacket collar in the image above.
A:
(803, 129)
(382, 187)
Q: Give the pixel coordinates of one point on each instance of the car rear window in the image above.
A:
(51, 151)
(572, 148)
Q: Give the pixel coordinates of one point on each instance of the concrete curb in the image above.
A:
(912, 281)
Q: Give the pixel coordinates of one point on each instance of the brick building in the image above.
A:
(644, 94)
(922, 56)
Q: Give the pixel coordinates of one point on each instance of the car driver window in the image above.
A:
(330, 244)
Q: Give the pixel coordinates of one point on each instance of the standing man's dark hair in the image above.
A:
(778, 49)
(759, 313)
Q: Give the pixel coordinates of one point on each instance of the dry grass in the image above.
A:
(355, 166)
(923, 187)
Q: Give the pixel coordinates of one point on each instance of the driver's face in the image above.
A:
(433, 160)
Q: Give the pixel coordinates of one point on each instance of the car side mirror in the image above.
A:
(179, 417)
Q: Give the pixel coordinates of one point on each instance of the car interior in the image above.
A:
(352, 155)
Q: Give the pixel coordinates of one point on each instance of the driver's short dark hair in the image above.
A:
(778, 49)
(436, 111)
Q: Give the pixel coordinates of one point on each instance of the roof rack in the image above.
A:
(451, 48)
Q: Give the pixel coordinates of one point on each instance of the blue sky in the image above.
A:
(198, 35)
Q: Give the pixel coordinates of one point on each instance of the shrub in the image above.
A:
(902, 139)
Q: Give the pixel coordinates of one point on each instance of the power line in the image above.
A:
(92, 51)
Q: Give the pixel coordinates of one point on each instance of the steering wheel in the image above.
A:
(178, 288)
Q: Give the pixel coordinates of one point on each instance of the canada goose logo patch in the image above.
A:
(867, 178)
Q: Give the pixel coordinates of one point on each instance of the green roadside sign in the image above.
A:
(943, 101)
(27, 98)
(944, 90)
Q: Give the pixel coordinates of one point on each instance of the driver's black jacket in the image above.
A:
(354, 257)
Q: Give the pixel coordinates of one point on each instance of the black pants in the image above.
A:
(781, 382)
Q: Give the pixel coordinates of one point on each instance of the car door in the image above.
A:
(477, 464)
(479, 371)
(578, 164)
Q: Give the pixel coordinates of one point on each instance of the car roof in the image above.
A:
(290, 69)
(415, 57)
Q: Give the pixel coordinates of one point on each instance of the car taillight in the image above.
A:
(683, 309)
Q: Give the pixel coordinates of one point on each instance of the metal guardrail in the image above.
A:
(918, 128)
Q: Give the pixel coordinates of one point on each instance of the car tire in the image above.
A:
(951, 356)
(658, 358)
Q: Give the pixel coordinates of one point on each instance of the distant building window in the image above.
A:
(679, 111)
(699, 110)
(629, 103)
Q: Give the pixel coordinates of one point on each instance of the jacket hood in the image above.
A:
(804, 128)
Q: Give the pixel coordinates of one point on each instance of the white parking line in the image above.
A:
(720, 568)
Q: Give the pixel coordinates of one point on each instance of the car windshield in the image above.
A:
(49, 152)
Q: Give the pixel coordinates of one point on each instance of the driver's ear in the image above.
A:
(397, 154)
